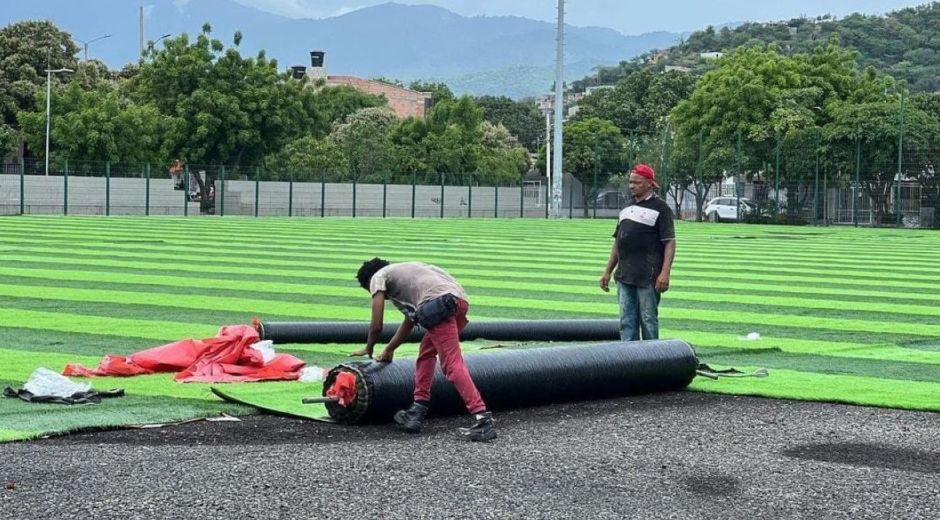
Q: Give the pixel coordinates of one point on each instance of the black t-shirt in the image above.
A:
(642, 229)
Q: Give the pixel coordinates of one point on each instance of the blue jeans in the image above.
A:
(639, 312)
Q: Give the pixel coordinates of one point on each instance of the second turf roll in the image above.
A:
(516, 330)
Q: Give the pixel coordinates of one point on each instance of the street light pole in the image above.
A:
(85, 44)
(153, 44)
(49, 73)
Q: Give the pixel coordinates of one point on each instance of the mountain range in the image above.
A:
(500, 55)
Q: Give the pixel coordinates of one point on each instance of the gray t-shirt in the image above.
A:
(410, 284)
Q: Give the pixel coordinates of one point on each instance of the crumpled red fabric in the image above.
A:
(225, 358)
(344, 387)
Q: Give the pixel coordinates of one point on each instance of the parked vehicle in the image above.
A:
(726, 208)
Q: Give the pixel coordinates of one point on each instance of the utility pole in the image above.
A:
(557, 172)
(548, 152)
(141, 12)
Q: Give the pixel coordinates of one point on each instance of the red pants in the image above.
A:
(443, 340)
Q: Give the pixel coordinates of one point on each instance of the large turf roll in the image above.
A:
(524, 377)
(517, 330)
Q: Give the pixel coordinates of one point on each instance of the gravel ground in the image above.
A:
(680, 455)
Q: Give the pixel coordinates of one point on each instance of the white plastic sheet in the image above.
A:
(43, 382)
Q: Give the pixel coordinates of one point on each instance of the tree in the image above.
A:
(95, 125)
(92, 73)
(755, 95)
(331, 104)
(594, 150)
(220, 107)
(639, 103)
(27, 49)
(9, 139)
(439, 91)
(308, 159)
(874, 126)
(521, 118)
(363, 139)
(454, 139)
(502, 158)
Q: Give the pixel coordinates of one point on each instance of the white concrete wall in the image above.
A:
(86, 196)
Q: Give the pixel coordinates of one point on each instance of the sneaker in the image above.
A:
(482, 429)
(412, 419)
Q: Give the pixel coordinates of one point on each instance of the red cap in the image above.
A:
(644, 170)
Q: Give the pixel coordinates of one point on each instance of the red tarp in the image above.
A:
(225, 358)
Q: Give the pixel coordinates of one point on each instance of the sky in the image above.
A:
(627, 16)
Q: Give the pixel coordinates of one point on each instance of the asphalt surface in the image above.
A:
(680, 455)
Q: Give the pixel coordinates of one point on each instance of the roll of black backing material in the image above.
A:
(516, 330)
(518, 378)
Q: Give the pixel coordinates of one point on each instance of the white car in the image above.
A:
(725, 208)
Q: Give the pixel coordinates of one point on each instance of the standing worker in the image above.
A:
(643, 250)
(429, 296)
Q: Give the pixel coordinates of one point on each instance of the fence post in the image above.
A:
(470, 196)
(700, 173)
(858, 168)
(290, 195)
(571, 200)
(594, 191)
(221, 193)
(737, 182)
(384, 193)
(107, 189)
(414, 184)
(323, 194)
(22, 186)
(496, 200)
(147, 191)
(816, 183)
(65, 184)
(355, 178)
(257, 188)
(442, 194)
(548, 189)
(777, 179)
(186, 191)
(897, 199)
(521, 197)
(597, 165)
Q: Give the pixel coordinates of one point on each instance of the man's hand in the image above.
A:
(605, 282)
(662, 282)
(386, 356)
(364, 351)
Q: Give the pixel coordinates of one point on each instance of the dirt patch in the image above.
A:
(870, 455)
(719, 486)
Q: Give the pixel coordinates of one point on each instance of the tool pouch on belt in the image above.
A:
(432, 312)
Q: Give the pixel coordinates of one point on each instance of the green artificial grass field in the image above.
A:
(844, 315)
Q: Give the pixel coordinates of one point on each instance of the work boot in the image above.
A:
(412, 419)
(482, 429)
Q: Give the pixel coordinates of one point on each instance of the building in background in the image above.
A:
(404, 102)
